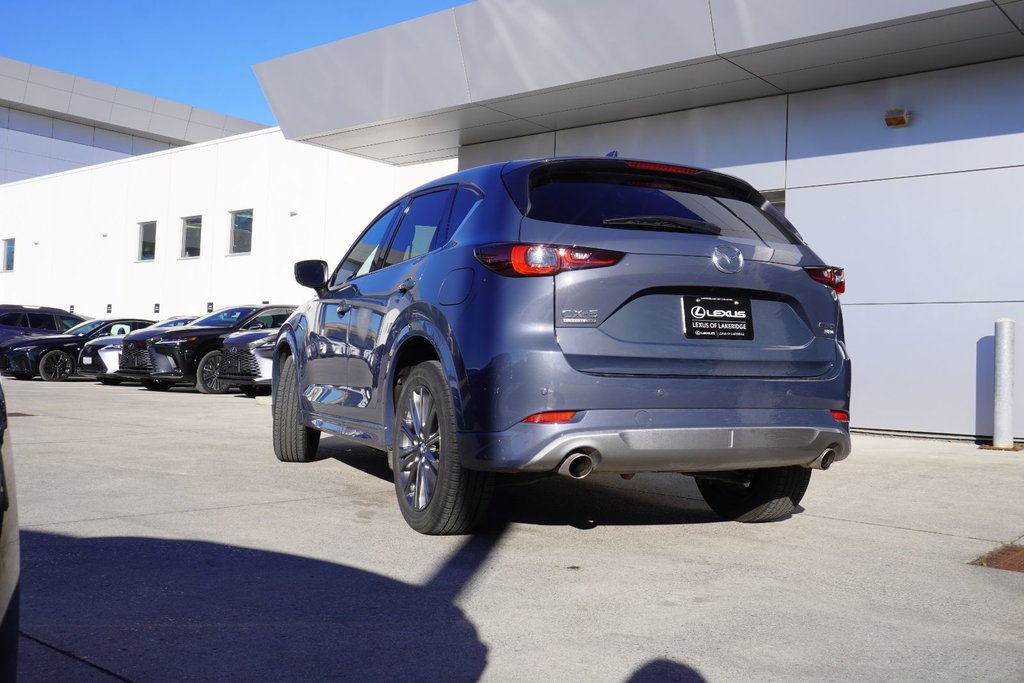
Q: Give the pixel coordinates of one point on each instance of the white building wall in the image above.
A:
(926, 219)
(77, 234)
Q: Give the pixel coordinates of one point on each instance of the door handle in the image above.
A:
(407, 284)
(344, 308)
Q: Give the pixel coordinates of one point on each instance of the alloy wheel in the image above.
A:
(419, 449)
(57, 366)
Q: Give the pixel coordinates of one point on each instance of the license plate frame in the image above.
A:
(717, 317)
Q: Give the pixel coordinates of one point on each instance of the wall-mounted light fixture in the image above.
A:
(897, 118)
(293, 213)
(209, 307)
(156, 308)
(71, 308)
(110, 308)
(103, 234)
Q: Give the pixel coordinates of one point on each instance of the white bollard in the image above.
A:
(1002, 432)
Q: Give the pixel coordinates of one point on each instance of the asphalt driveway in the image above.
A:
(161, 541)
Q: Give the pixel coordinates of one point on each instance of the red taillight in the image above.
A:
(543, 259)
(668, 168)
(553, 417)
(840, 416)
(828, 275)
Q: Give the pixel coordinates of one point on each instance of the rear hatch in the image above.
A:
(709, 278)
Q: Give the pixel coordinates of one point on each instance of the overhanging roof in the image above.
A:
(497, 69)
(37, 90)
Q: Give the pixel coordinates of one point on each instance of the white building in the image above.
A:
(784, 94)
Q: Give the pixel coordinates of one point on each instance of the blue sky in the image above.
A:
(199, 53)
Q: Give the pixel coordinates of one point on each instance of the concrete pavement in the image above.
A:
(162, 541)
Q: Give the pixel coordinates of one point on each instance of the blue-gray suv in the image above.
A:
(571, 316)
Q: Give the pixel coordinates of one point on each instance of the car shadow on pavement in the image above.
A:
(152, 609)
(594, 502)
(557, 501)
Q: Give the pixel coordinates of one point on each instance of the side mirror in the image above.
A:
(312, 274)
(256, 326)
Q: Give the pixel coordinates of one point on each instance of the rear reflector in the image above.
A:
(667, 168)
(551, 417)
(840, 416)
(829, 275)
(543, 259)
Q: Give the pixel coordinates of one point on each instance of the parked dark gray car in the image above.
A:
(573, 315)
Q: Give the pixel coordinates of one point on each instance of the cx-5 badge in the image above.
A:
(727, 258)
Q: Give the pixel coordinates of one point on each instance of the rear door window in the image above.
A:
(418, 232)
(41, 321)
(641, 202)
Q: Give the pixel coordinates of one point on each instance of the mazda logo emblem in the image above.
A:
(727, 258)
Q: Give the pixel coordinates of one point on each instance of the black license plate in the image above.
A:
(715, 317)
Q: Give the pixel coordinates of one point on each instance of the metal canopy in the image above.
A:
(497, 69)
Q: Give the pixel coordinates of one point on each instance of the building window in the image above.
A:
(191, 233)
(147, 241)
(9, 254)
(241, 231)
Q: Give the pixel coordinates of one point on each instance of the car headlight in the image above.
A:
(112, 347)
(176, 342)
(24, 348)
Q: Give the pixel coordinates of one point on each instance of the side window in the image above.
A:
(14, 318)
(139, 324)
(465, 201)
(41, 321)
(360, 257)
(120, 328)
(418, 228)
(67, 322)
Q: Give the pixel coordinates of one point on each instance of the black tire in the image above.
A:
(56, 366)
(455, 499)
(157, 384)
(771, 494)
(293, 441)
(110, 381)
(208, 374)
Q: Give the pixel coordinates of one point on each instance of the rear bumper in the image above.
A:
(680, 440)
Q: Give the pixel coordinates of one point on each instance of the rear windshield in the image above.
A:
(623, 200)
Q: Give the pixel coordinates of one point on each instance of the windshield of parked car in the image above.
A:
(226, 317)
(83, 329)
(174, 322)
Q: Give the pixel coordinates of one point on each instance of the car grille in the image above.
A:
(135, 359)
(239, 362)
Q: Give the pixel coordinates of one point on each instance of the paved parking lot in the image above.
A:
(161, 541)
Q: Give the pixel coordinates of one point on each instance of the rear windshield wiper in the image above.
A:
(665, 223)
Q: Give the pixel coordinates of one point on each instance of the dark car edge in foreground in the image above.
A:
(10, 562)
(573, 316)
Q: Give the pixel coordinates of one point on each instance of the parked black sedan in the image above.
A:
(54, 357)
(192, 354)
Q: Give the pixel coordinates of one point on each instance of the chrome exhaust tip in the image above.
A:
(825, 460)
(576, 465)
